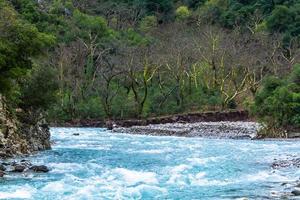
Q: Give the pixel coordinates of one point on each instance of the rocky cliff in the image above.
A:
(19, 137)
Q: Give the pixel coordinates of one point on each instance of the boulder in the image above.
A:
(296, 192)
(19, 168)
(26, 163)
(39, 168)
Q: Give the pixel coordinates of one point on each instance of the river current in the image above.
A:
(97, 164)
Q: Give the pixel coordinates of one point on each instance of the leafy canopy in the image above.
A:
(20, 42)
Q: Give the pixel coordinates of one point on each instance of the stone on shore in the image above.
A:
(223, 129)
(294, 135)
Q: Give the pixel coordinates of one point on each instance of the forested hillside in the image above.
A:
(122, 59)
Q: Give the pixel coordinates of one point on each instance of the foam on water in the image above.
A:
(24, 192)
(55, 186)
(200, 180)
(97, 164)
(132, 177)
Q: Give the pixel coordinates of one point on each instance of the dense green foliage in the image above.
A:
(20, 43)
(278, 102)
(38, 90)
(121, 58)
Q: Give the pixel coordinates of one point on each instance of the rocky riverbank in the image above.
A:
(223, 129)
(21, 132)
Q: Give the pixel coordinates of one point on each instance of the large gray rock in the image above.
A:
(296, 192)
(39, 168)
(19, 168)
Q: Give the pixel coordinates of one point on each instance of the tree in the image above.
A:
(278, 103)
(139, 73)
(20, 42)
(280, 19)
(39, 89)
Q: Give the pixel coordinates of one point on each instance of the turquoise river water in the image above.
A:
(98, 164)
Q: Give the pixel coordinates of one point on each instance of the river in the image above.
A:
(97, 164)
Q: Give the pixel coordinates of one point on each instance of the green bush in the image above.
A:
(182, 13)
(278, 102)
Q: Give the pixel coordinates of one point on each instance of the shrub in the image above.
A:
(182, 13)
(278, 102)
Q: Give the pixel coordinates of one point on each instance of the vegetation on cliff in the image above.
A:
(121, 59)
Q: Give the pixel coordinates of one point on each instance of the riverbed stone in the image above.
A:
(296, 192)
(19, 168)
(39, 168)
(26, 163)
(291, 162)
